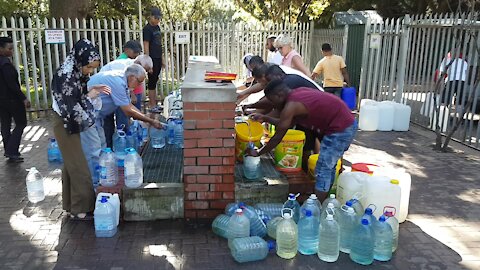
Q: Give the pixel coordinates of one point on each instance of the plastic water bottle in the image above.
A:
(114, 201)
(104, 219)
(179, 134)
(382, 250)
(271, 209)
(34, 183)
(333, 200)
(133, 169)
(220, 225)
(310, 205)
(134, 131)
(308, 227)
(272, 227)
(330, 209)
(231, 208)
(119, 141)
(357, 206)
(131, 141)
(328, 239)
(238, 226)
(108, 168)
(171, 131)
(293, 204)
(393, 222)
(316, 201)
(348, 221)
(157, 137)
(287, 236)
(53, 152)
(369, 216)
(257, 227)
(262, 215)
(363, 243)
(250, 249)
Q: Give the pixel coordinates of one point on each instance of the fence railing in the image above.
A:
(36, 61)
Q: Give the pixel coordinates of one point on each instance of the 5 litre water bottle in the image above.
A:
(382, 250)
(108, 168)
(330, 209)
(249, 249)
(362, 244)
(328, 240)
(179, 134)
(53, 152)
(271, 209)
(287, 236)
(369, 216)
(157, 137)
(293, 204)
(357, 206)
(119, 140)
(171, 131)
(308, 227)
(133, 169)
(348, 221)
(393, 221)
(238, 226)
(272, 227)
(310, 204)
(333, 200)
(257, 227)
(220, 225)
(34, 182)
(104, 219)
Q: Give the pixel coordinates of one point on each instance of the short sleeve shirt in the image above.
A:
(331, 68)
(152, 34)
(116, 80)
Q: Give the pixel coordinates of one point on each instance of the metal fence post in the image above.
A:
(402, 58)
(345, 41)
(366, 50)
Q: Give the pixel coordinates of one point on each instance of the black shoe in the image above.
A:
(15, 160)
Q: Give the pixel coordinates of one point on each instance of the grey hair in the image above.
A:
(282, 40)
(134, 70)
(145, 61)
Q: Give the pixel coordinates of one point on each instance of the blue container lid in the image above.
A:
(368, 211)
(271, 245)
(382, 218)
(104, 199)
(349, 203)
(364, 221)
(52, 140)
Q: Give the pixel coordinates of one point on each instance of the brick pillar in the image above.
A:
(209, 158)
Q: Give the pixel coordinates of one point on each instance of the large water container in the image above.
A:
(179, 133)
(157, 137)
(393, 222)
(308, 233)
(104, 219)
(347, 220)
(119, 140)
(405, 183)
(271, 209)
(250, 249)
(114, 200)
(287, 236)
(387, 116)
(238, 226)
(251, 167)
(34, 183)
(382, 250)
(131, 141)
(384, 194)
(402, 117)
(368, 215)
(329, 240)
(357, 207)
(220, 225)
(331, 199)
(108, 168)
(257, 227)
(363, 244)
(349, 96)
(171, 131)
(350, 185)
(134, 130)
(293, 204)
(133, 169)
(310, 205)
(53, 152)
(369, 117)
(272, 227)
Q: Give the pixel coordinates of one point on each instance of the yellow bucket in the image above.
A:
(288, 153)
(312, 162)
(242, 137)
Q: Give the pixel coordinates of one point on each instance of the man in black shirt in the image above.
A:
(152, 46)
(12, 102)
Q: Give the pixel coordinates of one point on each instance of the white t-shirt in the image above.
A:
(457, 70)
(274, 58)
(119, 64)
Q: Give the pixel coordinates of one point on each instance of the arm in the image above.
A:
(132, 111)
(146, 47)
(11, 76)
(346, 77)
(297, 63)
(252, 89)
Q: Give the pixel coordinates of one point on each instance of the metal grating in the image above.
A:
(162, 165)
(268, 170)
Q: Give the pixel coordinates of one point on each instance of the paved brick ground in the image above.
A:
(442, 230)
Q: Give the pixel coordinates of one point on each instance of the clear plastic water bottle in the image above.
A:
(363, 243)
(53, 152)
(393, 222)
(272, 227)
(293, 204)
(308, 226)
(348, 221)
(104, 219)
(369, 216)
(179, 134)
(331, 199)
(119, 140)
(357, 206)
(310, 204)
(157, 137)
(238, 226)
(133, 169)
(287, 236)
(34, 183)
(329, 209)
(131, 141)
(383, 246)
(171, 131)
(328, 239)
(250, 249)
(271, 209)
(316, 201)
(108, 168)
(134, 130)
(257, 227)
(220, 225)
(262, 215)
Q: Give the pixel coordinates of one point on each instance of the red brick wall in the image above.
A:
(209, 158)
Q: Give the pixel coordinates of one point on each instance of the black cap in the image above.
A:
(155, 12)
(134, 46)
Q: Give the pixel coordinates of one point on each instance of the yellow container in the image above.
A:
(243, 136)
(312, 162)
(288, 153)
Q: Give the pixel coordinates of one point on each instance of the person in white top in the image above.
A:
(456, 75)
(273, 55)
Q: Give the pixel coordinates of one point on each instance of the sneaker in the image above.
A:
(15, 159)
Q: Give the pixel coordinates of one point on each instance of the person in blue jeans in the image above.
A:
(325, 114)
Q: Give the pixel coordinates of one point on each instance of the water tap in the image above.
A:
(241, 119)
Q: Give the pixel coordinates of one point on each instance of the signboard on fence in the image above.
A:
(375, 41)
(54, 36)
(182, 37)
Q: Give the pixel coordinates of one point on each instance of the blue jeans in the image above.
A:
(138, 104)
(331, 149)
(93, 141)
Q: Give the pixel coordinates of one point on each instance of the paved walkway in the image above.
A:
(442, 230)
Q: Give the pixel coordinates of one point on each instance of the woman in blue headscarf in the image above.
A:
(75, 113)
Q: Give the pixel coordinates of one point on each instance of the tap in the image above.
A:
(242, 119)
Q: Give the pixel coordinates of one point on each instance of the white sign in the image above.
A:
(182, 37)
(375, 41)
(54, 36)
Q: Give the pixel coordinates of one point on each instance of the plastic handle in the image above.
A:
(287, 210)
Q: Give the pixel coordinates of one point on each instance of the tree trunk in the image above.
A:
(73, 9)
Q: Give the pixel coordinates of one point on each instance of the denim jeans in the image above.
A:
(93, 141)
(138, 104)
(331, 149)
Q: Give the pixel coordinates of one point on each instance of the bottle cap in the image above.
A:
(395, 181)
(313, 196)
(104, 199)
(382, 218)
(291, 196)
(349, 203)
(368, 211)
(364, 221)
(287, 216)
(388, 214)
(330, 205)
(332, 196)
(329, 217)
(241, 204)
(350, 210)
(52, 139)
(271, 245)
(239, 211)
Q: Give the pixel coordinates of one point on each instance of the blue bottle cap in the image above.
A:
(241, 205)
(382, 218)
(364, 221)
(104, 199)
(308, 213)
(368, 211)
(52, 139)
(291, 196)
(349, 203)
(271, 245)
(107, 150)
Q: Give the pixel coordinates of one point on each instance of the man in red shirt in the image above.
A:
(325, 114)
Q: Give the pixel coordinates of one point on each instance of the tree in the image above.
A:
(69, 8)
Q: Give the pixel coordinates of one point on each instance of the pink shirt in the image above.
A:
(287, 59)
(138, 89)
